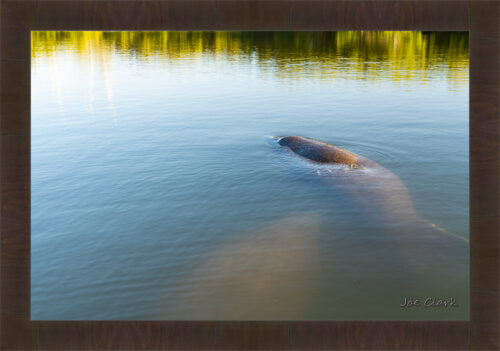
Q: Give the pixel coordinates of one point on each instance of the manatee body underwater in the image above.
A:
(265, 273)
(426, 248)
(281, 270)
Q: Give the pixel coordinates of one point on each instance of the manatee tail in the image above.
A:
(435, 226)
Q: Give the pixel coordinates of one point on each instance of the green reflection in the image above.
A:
(395, 55)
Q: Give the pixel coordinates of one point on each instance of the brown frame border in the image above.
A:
(19, 17)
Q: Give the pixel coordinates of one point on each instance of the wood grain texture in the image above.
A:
(378, 335)
(152, 15)
(15, 92)
(126, 335)
(15, 115)
(63, 335)
(252, 336)
(15, 82)
(484, 18)
(188, 15)
(14, 37)
(17, 333)
(193, 336)
(484, 174)
(484, 187)
(133, 15)
(253, 14)
(484, 269)
(484, 127)
(23, 13)
(19, 17)
(379, 15)
(62, 15)
(113, 15)
(484, 320)
(15, 202)
(15, 243)
(316, 15)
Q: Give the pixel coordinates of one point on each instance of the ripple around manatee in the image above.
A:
(378, 153)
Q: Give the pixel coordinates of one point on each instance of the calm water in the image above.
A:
(158, 191)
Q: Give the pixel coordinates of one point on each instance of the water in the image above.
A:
(158, 191)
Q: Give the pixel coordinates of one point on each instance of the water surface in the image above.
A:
(158, 191)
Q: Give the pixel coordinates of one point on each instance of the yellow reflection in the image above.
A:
(397, 55)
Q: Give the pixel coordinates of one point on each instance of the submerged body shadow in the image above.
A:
(382, 199)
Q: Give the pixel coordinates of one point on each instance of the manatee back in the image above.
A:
(318, 151)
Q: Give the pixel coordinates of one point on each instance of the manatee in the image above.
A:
(427, 248)
(277, 271)
(318, 151)
(368, 181)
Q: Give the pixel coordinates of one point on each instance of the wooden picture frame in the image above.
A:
(479, 18)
